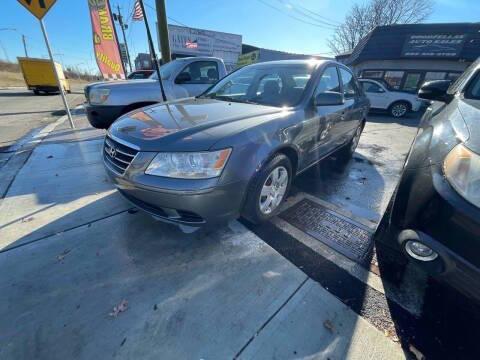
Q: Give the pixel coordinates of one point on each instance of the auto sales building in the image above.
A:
(405, 56)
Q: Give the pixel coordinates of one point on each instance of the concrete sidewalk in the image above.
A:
(71, 252)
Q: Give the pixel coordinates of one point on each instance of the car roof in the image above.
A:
(293, 62)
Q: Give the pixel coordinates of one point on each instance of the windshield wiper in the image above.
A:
(230, 99)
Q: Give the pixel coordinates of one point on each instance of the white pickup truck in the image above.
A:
(181, 78)
(397, 103)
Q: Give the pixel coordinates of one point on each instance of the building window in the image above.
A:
(372, 74)
(394, 78)
(453, 76)
(411, 82)
(434, 75)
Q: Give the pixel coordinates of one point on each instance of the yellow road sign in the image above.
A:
(37, 7)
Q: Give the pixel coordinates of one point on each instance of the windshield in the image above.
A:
(275, 85)
(165, 70)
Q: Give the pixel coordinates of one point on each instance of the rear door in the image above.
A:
(353, 110)
(197, 77)
(324, 126)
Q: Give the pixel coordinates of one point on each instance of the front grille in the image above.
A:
(117, 156)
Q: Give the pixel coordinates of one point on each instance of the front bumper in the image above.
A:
(102, 116)
(428, 207)
(188, 202)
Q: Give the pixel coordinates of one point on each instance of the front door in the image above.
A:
(376, 94)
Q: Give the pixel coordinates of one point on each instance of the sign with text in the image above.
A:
(105, 41)
(198, 42)
(433, 45)
(38, 7)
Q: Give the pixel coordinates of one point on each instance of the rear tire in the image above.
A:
(347, 151)
(271, 176)
(399, 109)
(36, 92)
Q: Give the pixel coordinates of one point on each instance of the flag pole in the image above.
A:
(152, 50)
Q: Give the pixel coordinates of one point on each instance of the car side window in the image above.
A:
(370, 87)
(199, 72)
(473, 91)
(329, 81)
(349, 88)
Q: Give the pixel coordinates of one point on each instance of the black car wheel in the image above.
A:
(399, 109)
(346, 152)
(268, 189)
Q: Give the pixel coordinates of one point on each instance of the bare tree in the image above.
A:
(365, 17)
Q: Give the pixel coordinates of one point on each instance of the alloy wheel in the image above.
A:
(398, 110)
(273, 190)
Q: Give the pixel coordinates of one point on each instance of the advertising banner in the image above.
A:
(199, 42)
(433, 45)
(105, 41)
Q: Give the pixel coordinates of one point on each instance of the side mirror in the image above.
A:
(435, 90)
(182, 78)
(329, 98)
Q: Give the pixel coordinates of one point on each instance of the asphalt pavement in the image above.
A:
(22, 112)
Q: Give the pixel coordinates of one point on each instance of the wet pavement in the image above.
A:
(364, 186)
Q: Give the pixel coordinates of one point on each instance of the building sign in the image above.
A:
(248, 58)
(105, 40)
(433, 45)
(198, 42)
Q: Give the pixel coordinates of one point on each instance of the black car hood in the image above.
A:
(470, 110)
(191, 124)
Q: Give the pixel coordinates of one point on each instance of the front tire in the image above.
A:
(399, 109)
(268, 190)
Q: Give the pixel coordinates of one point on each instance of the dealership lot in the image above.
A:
(86, 275)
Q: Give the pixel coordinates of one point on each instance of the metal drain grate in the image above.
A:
(331, 228)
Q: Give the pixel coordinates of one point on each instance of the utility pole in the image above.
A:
(24, 45)
(124, 27)
(118, 42)
(23, 38)
(163, 31)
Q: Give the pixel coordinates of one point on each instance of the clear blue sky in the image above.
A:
(263, 23)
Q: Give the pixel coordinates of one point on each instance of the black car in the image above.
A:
(434, 217)
(235, 149)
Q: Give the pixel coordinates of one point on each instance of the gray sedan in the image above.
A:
(234, 150)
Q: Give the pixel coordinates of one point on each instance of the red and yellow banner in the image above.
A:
(105, 40)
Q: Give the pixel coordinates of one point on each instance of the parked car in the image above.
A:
(181, 78)
(235, 149)
(434, 216)
(397, 103)
(140, 74)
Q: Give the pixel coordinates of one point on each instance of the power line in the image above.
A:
(168, 17)
(324, 18)
(330, 27)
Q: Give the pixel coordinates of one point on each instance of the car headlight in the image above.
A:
(462, 170)
(189, 165)
(98, 96)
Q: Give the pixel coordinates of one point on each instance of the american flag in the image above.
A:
(137, 11)
(191, 44)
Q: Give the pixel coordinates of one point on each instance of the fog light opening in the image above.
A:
(420, 251)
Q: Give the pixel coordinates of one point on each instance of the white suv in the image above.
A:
(397, 103)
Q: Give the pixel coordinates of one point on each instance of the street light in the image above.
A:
(23, 38)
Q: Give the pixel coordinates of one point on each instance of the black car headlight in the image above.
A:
(189, 165)
(462, 170)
